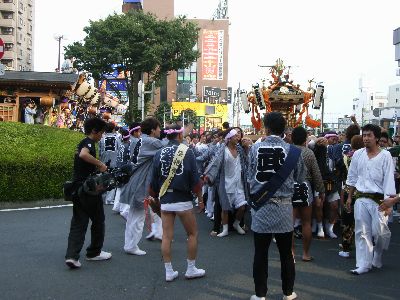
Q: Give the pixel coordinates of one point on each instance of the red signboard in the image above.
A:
(212, 54)
(1, 48)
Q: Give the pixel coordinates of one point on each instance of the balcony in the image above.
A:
(7, 23)
(8, 6)
(9, 39)
(9, 55)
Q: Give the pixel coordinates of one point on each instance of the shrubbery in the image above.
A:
(35, 161)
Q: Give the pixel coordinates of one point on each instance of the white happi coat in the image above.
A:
(372, 234)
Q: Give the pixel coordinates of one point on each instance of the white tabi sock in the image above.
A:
(224, 231)
(319, 225)
(314, 225)
(191, 264)
(168, 268)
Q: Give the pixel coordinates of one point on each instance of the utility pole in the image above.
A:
(238, 105)
(322, 114)
(141, 96)
(59, 37)
(164, 117)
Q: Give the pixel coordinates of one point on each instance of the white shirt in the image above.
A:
(372, 175)
(233, 171)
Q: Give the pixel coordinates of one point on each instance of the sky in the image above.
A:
(334, 42)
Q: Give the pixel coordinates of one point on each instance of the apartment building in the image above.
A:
(16, 30)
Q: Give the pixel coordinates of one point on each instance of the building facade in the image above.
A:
(396, 43)
(17, 32)
(394, 95)
(367, 101)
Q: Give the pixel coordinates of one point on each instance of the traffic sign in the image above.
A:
(1, 48)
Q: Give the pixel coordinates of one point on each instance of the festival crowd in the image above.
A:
(288, 184)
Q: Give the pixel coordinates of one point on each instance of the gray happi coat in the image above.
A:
(138, 186)
(266, 158)
(216, 173)
(132, 144)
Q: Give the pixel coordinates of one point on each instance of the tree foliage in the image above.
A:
(138, 43)
(164, 113)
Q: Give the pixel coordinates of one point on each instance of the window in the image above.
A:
(8, 1)
(397, 89)
(7, 15)
(7, 30)
(372, 97)
(381, 104)
(187, 83)
(7, 62)
(210, 110)
(354, 107)
(397, 100)
(20, 52)
(8, 46)
(21, 22)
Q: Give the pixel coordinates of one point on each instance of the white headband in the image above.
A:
(231, 133)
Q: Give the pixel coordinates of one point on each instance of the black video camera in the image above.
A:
(102, 182)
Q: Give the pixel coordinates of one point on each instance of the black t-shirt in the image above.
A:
(82, 169)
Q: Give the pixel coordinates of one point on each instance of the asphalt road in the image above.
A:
(33, 244)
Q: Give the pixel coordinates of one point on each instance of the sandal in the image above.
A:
(213, 233)
(308, 259)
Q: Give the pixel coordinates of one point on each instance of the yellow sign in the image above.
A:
(201, 109)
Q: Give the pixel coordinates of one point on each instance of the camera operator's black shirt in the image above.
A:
(82, 169)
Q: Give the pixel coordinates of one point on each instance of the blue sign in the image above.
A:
(116, 84)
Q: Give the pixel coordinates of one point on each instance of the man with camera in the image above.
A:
(87, 206)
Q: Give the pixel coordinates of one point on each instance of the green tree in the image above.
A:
(138, 43)
(190, 116)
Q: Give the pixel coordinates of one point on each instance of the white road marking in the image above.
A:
(33, 208)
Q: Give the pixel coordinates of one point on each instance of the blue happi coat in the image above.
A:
(186, 180)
